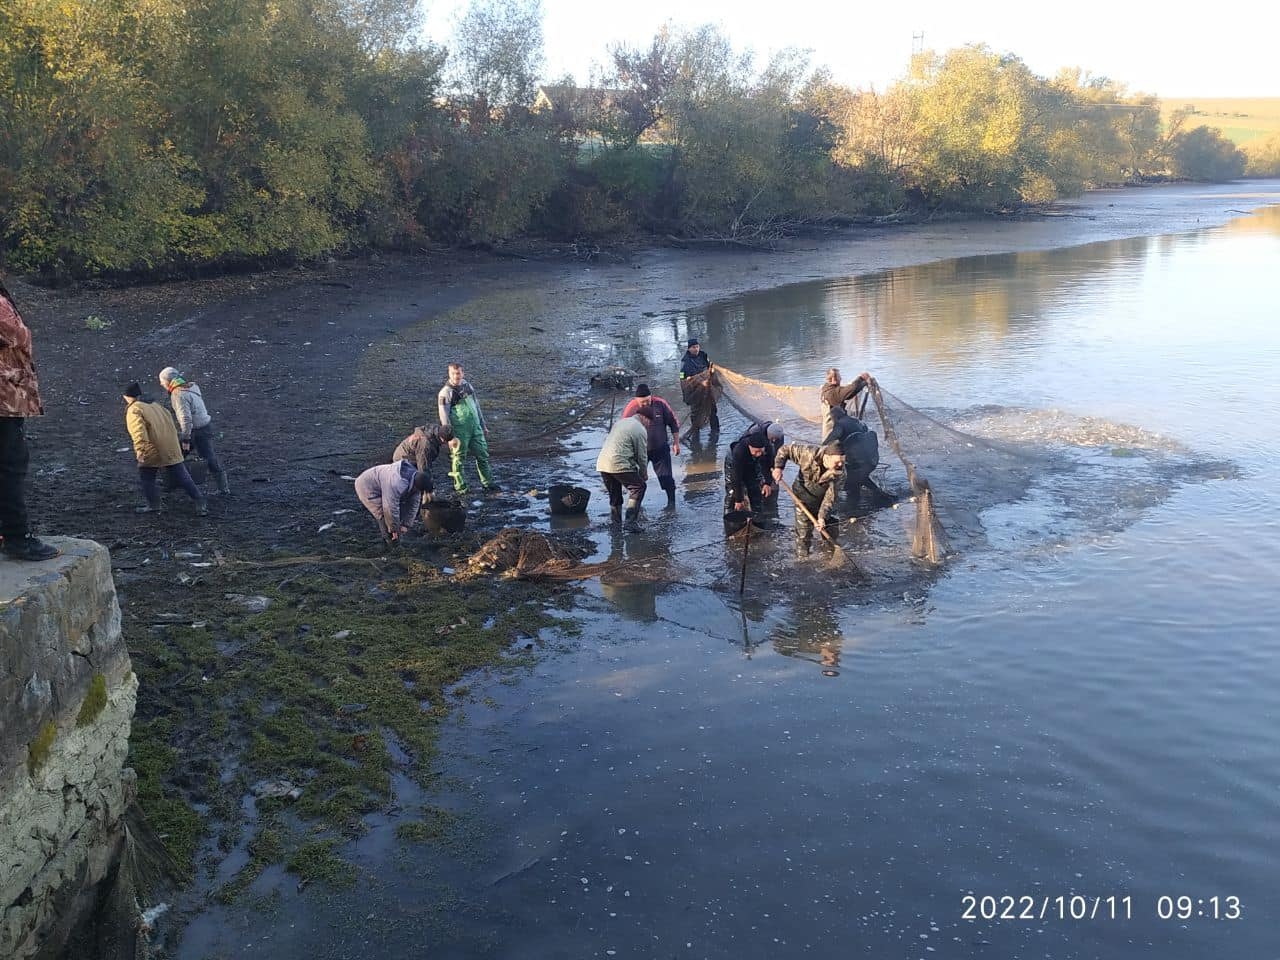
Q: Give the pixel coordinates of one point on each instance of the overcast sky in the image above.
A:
(1148, 47)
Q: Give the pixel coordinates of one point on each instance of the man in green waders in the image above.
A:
(460, 410)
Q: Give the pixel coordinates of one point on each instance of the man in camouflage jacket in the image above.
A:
(821, 470)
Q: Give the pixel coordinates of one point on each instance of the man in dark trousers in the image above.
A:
(696, 388)
(836, 394)
(746, 484)
(661, 419)
(776, 437)
(422, 449)
(861, 448)
(156, 447)
(624, 462)
(19, 399)
(815, 487)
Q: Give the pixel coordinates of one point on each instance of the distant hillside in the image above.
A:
(1241, 119)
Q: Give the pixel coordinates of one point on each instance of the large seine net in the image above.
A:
(950, 476)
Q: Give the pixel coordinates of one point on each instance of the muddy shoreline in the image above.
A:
(314, 374)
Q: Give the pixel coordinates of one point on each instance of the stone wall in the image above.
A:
(67, 693)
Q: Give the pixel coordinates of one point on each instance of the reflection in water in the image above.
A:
(933, 315)
(811, 633)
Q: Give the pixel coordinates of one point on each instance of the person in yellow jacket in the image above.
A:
(156, 447)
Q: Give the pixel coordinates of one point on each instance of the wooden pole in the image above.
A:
(821, 528)
(746, 544)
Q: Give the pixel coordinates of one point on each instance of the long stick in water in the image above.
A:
(746, 543)
(820, 527)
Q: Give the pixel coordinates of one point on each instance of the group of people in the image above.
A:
(754, 463)
(394, 493)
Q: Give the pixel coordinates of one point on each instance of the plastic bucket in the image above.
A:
(566, 500)
(735, 521)
(444, 517)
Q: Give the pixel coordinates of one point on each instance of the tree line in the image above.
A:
(152, 137)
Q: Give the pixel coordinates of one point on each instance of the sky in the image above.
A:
(1149, 48)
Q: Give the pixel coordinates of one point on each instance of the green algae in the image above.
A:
(39, 748)
(343, 680)
(95, 701)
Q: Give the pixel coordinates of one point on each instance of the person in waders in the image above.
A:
(695, 387)
(746, 482)
(460, 411)
(624, 462)
(820, 472)
(775, 436)
(835, 394)
(661, 419)
(861, 448)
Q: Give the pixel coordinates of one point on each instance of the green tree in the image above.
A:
(1263, 158)
(497, 52)
(1203, 153)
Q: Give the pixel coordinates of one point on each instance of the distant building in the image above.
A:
(578, 108)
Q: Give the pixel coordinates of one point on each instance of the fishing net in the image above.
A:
(701, 393)
(950, 475)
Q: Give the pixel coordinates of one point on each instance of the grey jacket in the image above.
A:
(389, 488)
(188, 407)
(815, 484)
(626, 449)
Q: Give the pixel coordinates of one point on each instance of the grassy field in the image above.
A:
(1241, 119)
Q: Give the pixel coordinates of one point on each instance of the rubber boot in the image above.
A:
(615, 514)
(715, 423)
(671, 498)
(633, 518)
(224, 488)
(151, 506)
(202, 507)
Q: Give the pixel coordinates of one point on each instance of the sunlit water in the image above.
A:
(1083, 708)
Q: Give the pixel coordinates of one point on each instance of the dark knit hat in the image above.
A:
(693, 341)
(445, 431)
(757, 440)
(832, 450)
(133, 390)
(643, 390)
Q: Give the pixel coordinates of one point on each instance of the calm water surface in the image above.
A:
(1085, 708)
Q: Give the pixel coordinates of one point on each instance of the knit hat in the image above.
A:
(133, 390)
(445, 432)
(757, 440)
(832, 450)
(643, 390)
(168, 375)
(693, 341)
(775, 431)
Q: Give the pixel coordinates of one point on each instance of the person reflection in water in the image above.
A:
(813, 634)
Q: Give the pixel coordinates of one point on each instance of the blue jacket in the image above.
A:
(691, 365)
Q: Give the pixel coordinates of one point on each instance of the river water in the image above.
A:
(1082, 705)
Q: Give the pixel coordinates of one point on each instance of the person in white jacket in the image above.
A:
(195, 426)
(624, 462)
(392, 493)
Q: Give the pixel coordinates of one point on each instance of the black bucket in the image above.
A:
(566, 500)
(735, 521)
(443, 517)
